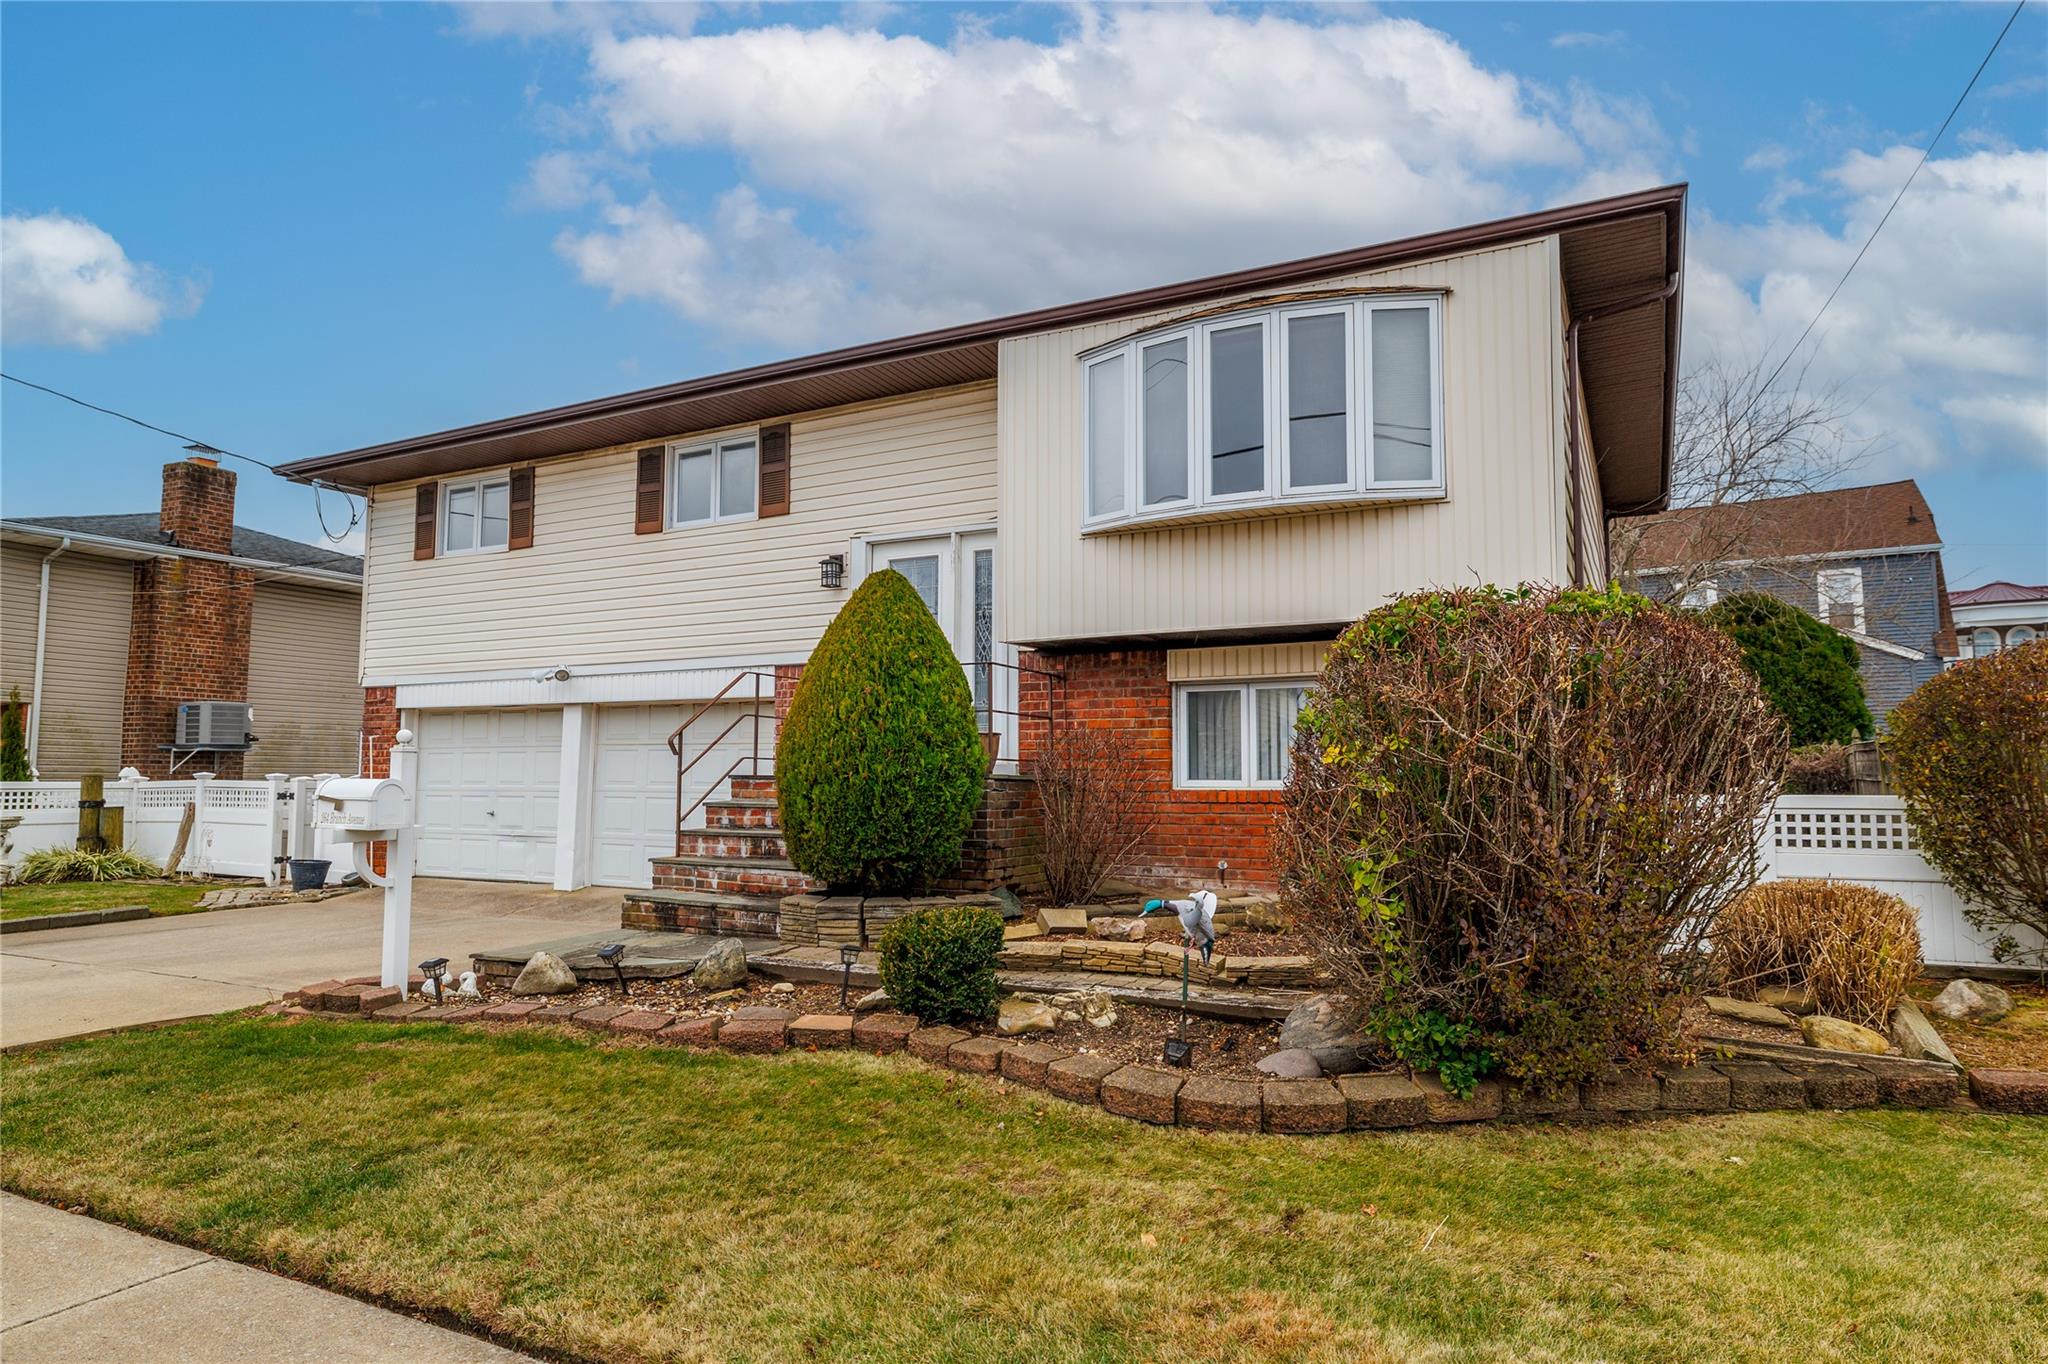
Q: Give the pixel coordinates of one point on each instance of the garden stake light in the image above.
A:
(1178, 1050)
(847, 953)
(435, 969)
(609, 954)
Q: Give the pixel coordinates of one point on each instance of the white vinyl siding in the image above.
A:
(304, 647)
(592, 592)
(85, 664)
(1500, 516)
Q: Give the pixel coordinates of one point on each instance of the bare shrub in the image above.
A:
(1855, 947)
(1093, 811)
(1514, 815)
(1819, 770)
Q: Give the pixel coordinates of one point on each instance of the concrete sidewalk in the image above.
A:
(69, 981)
(74, 1290)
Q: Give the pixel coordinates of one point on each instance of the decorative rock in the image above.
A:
(1063, 918)
(545, 974)
(1079, 1078)
(1793, 999)
(1321, 1026)
(1444, 1106)
(1223, 1105)
(1972, 1001)
(932, 1044)
(1916, 1038)
(782, 987)
(1758, 1085)
(1007, 903)
(639, 1023)
(1025, 1063)
(1097, 1006)
(1117, 929)
(723, 967)
(883, 1034)
(1304, 1106)
(1382, 1101)
(1292, 1064)
(1749, 1011)
(823, 1031)
(872, 1000)
(1839, 1034)
(1693, 1089)
(1619, 1091)
(692, 1032)
(978, 1055)
(2011, 1091)
(1835, 1084)
(1142, 1092)
(1025, 1015)
(753, 1034)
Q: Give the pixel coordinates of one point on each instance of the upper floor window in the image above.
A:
(1983, 643)
(2018, 635)
(476, 515)
(1841, 598)
(1303, 402)
(714, 482)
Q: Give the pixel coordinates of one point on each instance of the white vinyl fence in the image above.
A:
(239, 828)
(1866, 839)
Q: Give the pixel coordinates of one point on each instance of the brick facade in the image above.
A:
(188, 632)
(380, 731)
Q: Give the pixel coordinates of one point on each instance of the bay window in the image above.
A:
(1235, 734)
(1319, 401)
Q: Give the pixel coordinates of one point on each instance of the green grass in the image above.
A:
(64, 897)
(621, 1202)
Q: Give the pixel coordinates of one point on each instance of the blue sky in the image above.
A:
(294, 229)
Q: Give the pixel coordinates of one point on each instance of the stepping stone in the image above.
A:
(883, 1034)
(1025, 1062)
(932, 1044)
(1382, 1101)
(1223, 1105)
(1444, 1106)
(1063, 919)
(639, 1022)
(1304, 1106)
(1749, 1011)
(1079, 1078)
(1693, 1089)
(1619, 1091)
(1142, 1092)
(2010, 1091)
(753, 1034)
(1758, 1085)
(692, 1032)
(980, 1055)
(823, 1031)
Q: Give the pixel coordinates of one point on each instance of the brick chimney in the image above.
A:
(188, 626)
(199, 505)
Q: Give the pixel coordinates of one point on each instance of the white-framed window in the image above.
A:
(1700, 595)
(1305, 402)
(1235, 734)
(2020, 634)
(476, 515)
(1983, 643)
(1841, 597)
(715, 481)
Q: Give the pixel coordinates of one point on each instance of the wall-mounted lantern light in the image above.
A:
(832, 571)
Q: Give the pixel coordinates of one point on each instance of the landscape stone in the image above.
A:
(723, 967)
(1022, 931)
(555, 1013)
(1749, 1011)
(823, 1031)
(692, 1032)
(753, 1034)
(312, 996)
(1382, 1101)
(1693, 1089)
(545, 974)
(1835, 1084)
(1619, 1091)
(872, 1000)
(1913, 1084)
(1007, 903)
(1304, 1106)
(639, 1022)
(398, 1013)
(932, 1044)
(1142, 1092)
(1916, 1038)
(1079, 1078)
(1017, 1015)
(1097, 1006)
(511, 1011)
(377, 997)
(883, 1034)
(1117, 928)
(1292, 1064)
(1025, 1063)
(1754, 1086)
(597, 1016)
(1063, 918)
(978, 1055)
(1839, 1034)
(2010, 1091)
(1223, 1105)
(764, 1013)
(1321, 1025)
(1526, 1101)
(1444, 1106)
(1793, 999)
(1972, 1001)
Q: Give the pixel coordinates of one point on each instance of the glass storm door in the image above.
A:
(956, 576)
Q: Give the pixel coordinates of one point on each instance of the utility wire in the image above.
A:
(1953, 110)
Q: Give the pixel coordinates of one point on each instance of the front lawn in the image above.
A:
(65, 897)
(632, 1202)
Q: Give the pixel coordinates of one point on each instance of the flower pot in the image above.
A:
(309, 873)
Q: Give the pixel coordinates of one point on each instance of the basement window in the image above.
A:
(476, 516)
(1235, 735)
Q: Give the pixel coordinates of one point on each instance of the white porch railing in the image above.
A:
(1866, 839)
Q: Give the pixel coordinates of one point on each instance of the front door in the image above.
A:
(956, 576)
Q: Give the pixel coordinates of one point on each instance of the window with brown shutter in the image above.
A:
(648, 517)
(428, 501)
(521, 534)
(774, 470)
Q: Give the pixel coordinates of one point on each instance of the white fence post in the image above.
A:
(196, 859)
(125, 794)
(277, 828)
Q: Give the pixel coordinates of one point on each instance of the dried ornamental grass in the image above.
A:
(1855, 947)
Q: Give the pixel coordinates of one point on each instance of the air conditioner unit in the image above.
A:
(217, 725)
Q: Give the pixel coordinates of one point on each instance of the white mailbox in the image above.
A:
(361, 809)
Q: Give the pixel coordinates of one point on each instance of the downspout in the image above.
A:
(35, 704)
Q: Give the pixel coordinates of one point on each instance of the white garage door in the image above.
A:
(488, 780)
(633, 813)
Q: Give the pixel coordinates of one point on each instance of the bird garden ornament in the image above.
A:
(1197, 915)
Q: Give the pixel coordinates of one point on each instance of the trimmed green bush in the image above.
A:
(1810, 671)
(880, 765)
(940, 963)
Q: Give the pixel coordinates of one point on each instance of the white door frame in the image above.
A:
(956, 598)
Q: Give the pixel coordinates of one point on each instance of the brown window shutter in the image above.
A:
(775, 470)
(520, 534)
(647, 487)
(428, 503)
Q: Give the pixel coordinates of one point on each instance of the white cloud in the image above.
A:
(66, 282)
(1940, 335)
(526, 19)
(1612, 37)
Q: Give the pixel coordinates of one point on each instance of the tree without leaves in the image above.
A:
(1093, 809)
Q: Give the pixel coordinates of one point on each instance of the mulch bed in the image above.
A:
(2019, 1041)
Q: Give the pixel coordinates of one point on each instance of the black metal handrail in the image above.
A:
(751, 759)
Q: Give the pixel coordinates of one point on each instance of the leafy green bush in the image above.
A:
(880, 765)
(13, 741)
(1514, 814)
(1855, 947)
(1810, 670)
(940, 962)
(70, 864)
(1969, 754)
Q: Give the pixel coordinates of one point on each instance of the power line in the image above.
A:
(1953, 110)
(204, 446)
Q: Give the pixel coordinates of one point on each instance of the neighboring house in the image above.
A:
(1997, 616)
(1865, 560)
(1174, 498)
(110, 622)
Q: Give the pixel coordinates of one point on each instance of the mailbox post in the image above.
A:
(364, 810)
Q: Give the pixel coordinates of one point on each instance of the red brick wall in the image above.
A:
(1127, 690)
(188, 640)
(199, 506)
(380, 731)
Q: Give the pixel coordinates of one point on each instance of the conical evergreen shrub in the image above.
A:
(879, 765)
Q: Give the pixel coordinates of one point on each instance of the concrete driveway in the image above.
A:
(68, 981)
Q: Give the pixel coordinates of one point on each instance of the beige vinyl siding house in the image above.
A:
(85, 662)
(303, 643)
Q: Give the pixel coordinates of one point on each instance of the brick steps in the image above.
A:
(725, 845)
(690, 911)
(728, 877)
(731, 875)
(741, 814)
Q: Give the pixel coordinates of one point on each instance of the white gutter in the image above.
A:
(35, 704)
